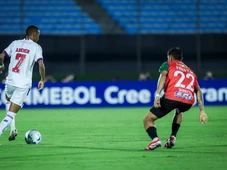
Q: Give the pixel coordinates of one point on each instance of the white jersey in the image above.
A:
(23, 55)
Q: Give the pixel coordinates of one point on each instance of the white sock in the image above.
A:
(6, 121)
(12, 125)
(7, 105)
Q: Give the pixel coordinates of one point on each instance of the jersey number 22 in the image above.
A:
(180, 81)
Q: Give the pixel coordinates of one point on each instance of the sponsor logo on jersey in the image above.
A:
(183, 95)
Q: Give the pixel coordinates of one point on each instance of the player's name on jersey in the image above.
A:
(23, 50)
(183, 69)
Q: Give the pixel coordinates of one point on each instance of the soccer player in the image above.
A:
(180, 84)
(23, 55)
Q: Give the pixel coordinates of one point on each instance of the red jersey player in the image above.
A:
(180, 84)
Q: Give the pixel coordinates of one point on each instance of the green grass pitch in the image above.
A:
(113, 139)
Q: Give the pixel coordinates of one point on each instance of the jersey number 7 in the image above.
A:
(21, 58)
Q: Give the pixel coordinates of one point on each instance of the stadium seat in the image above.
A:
(52, 17)
(147, 16)
(161, 16)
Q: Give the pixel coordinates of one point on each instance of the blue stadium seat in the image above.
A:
(156, 16)
(52, 17)
(161, 16)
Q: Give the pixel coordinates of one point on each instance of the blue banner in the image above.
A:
(110, 94)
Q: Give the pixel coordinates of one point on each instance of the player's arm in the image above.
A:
(199, 96)
(42, 74)
(163, 70)
(7, 52)
(39, 60)
(160, 86)
(2, 57)
(41, 70)
(161, 82)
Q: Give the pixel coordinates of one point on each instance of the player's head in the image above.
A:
(175, 54)
(32, 32)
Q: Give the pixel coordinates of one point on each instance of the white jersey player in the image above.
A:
(23, 55)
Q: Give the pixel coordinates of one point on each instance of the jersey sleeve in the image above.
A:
(8, 51)
(39, 54)
(164, 67)
(196, 82)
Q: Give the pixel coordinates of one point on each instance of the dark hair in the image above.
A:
(30, 29)
(176, 52)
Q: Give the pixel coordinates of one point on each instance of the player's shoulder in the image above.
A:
(36, 45)
(189, 69)
(164, 67)
(178, 63)
(175, 62)
(15, 41)
(164, 63)
(185, 66)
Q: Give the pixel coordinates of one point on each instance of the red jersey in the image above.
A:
(180, 82)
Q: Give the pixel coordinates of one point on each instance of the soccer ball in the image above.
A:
(33, 137)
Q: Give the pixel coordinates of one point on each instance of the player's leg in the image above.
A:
(8, 119)
(9, 90)
(151, 130)
(17, 100)
(13, 130)
(177, 119)
(149, 123)
(14, 108)
(9, 116)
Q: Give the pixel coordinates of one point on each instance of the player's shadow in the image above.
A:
(94, 149)
(101, 148)
(177, 149)
(72, 151)
(164, 150)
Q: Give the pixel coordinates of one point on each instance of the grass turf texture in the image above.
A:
(113, 139)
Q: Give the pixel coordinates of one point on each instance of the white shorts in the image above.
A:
(17, 95)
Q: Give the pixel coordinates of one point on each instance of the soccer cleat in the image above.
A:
(170, 142)
(13, 135)
(154, 144)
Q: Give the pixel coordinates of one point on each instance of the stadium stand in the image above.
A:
(147, 16)
(52, 17)
(168, 16)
